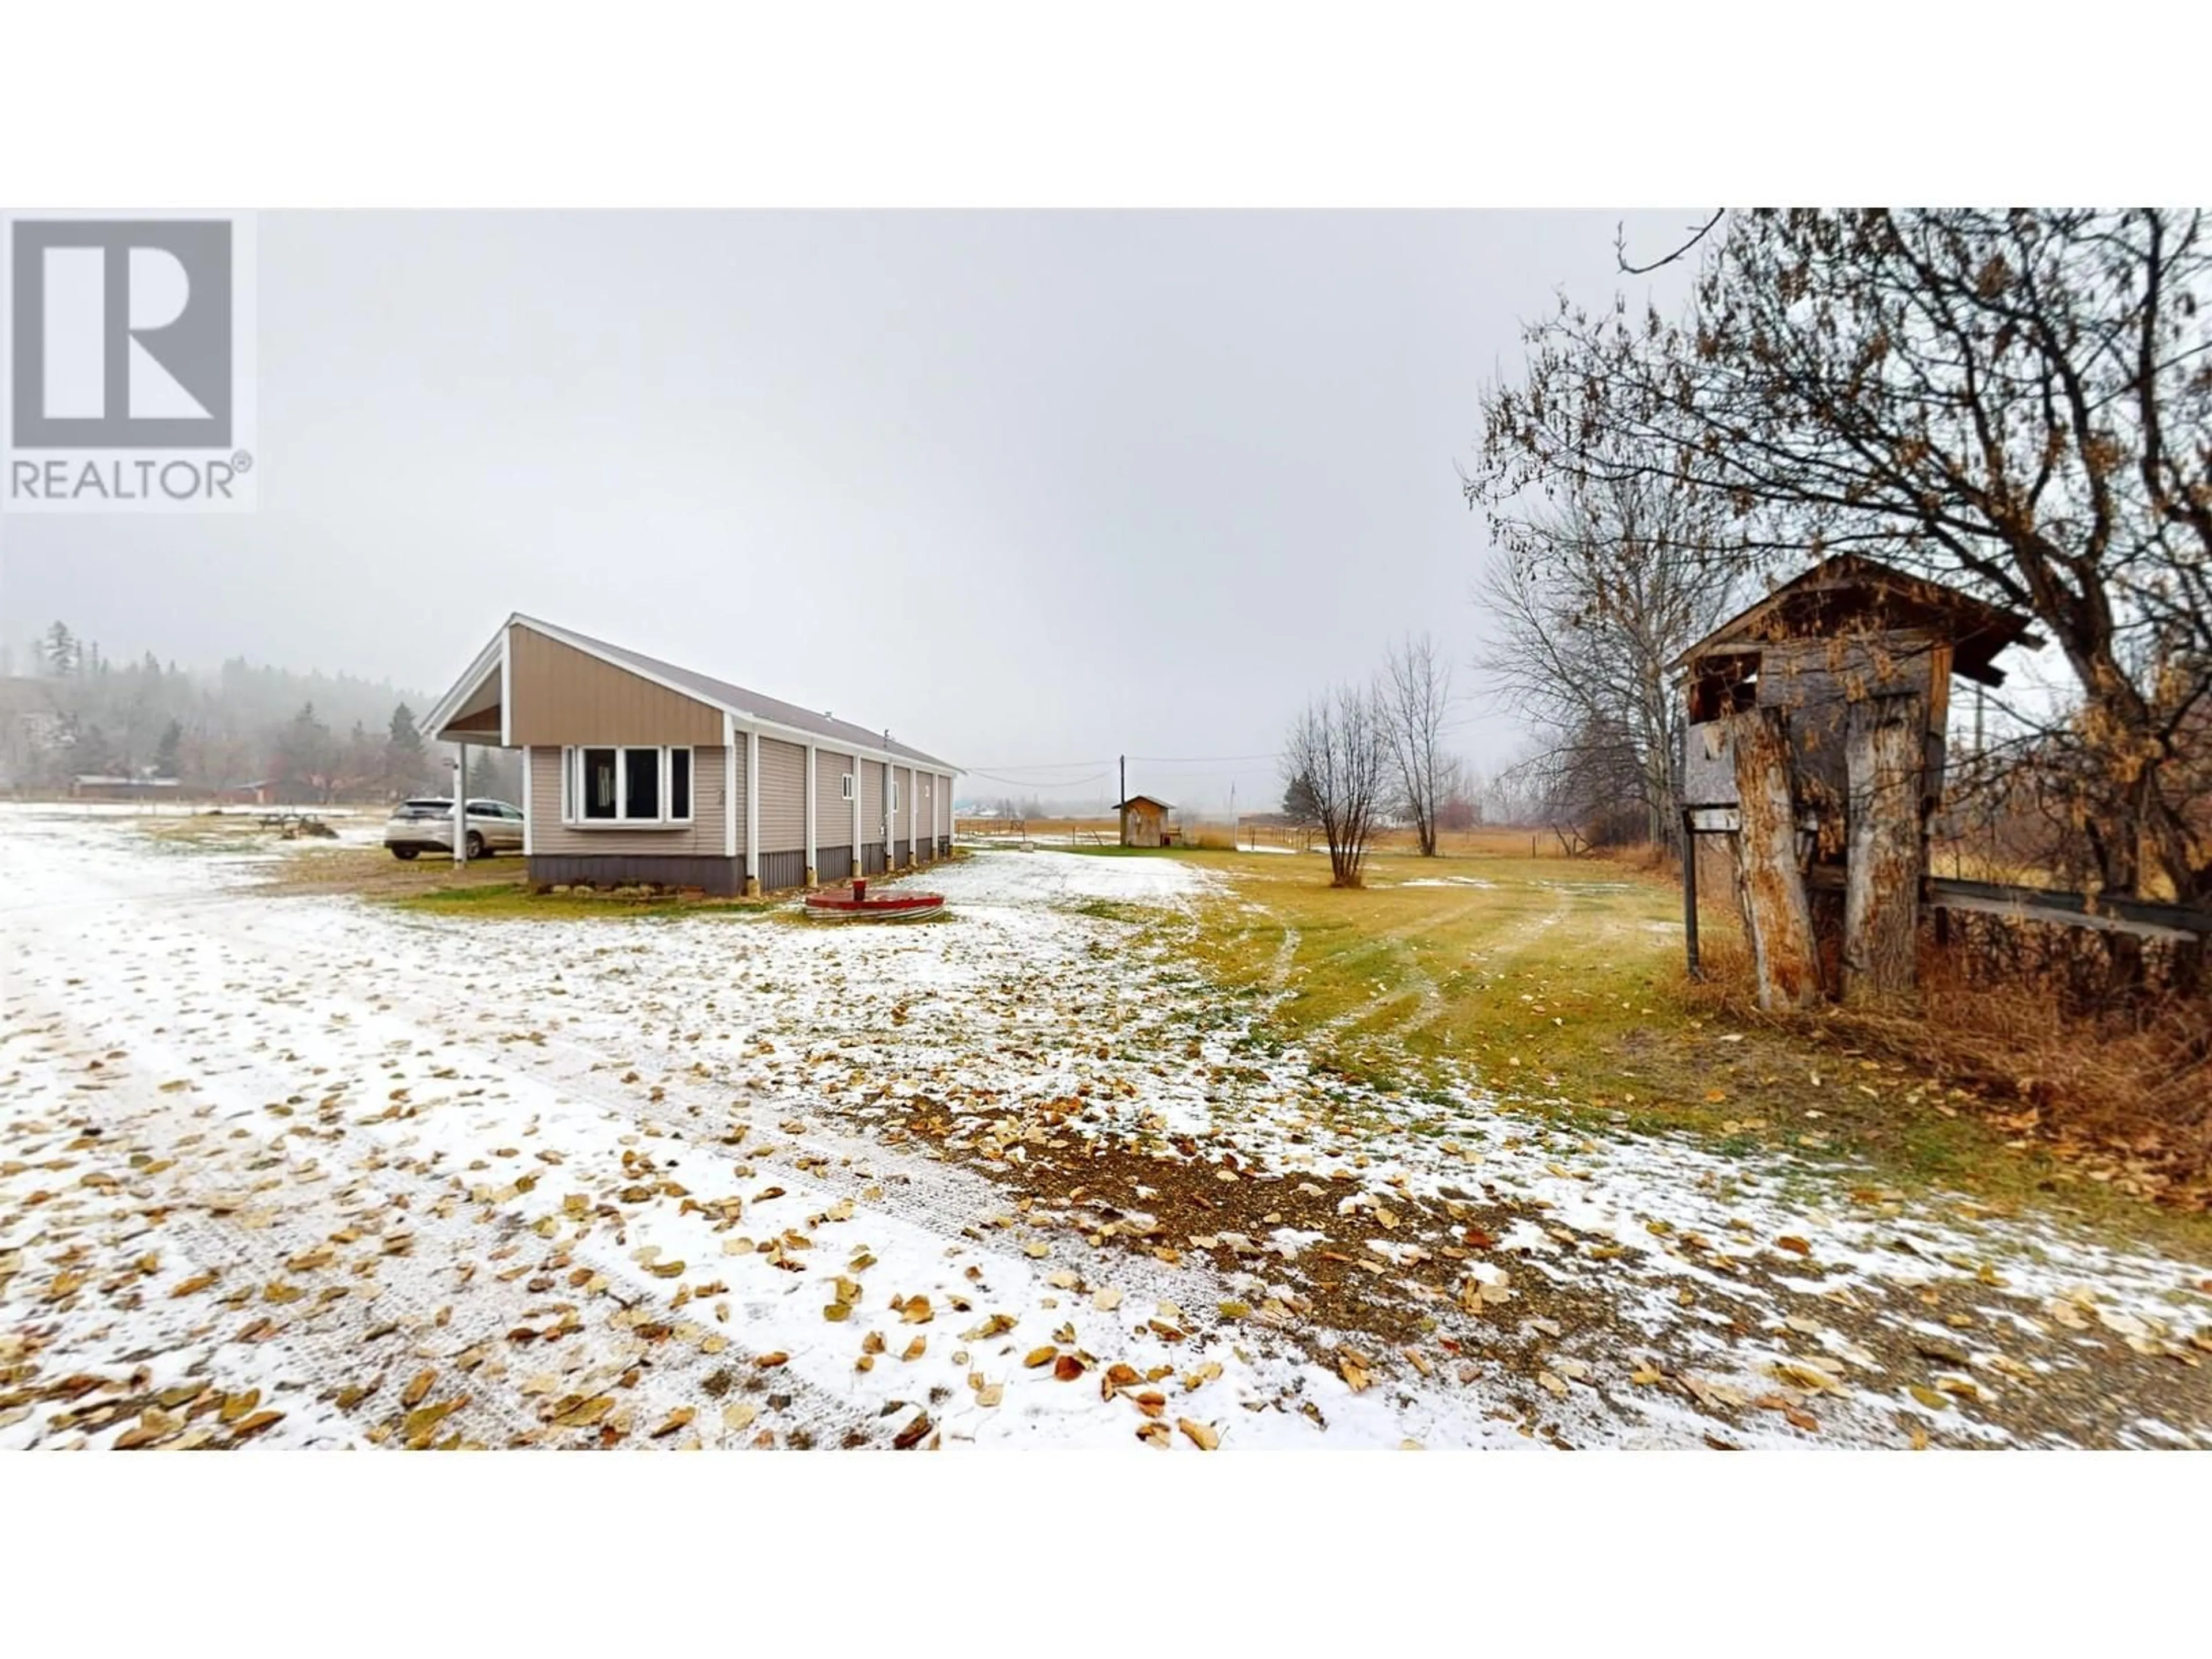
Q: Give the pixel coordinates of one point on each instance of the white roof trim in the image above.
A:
(493, 656)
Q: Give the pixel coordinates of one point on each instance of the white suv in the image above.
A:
(425, 825)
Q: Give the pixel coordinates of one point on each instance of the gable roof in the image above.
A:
(749, 706)
(1147, 801)
(1977, 629)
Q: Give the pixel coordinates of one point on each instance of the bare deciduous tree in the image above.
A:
(2019, 401)
(1589, 599)
(1415, 694)
(1340, 748)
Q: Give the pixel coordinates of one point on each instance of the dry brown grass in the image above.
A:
(1489, 841)
(2130, 1092)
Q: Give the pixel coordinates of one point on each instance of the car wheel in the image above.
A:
(405, 852)
(476, 844)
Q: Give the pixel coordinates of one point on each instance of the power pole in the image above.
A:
(1125, 777)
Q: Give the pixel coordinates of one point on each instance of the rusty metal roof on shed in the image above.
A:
(1847, 591)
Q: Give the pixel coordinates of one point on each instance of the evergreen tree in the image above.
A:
(59, 648)
(166, 760)
(403, 764)
(92, 752)
(361, 768)
(304, 755)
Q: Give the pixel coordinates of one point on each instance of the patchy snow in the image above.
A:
(1043, 877)
(561, 1181)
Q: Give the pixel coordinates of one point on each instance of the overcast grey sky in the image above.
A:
(1028, 489)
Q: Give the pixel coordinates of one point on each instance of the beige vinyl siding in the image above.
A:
(871, 802)
(833, 813)
(703, 835)
(783, 796)
(479, 717)
(557, 694)
(943, 824)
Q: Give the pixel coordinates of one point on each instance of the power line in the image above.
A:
(1043, 766)
(1000, 771)
(1201, 760)
(1036, 783)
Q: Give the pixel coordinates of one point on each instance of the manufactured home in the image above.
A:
(634, 770)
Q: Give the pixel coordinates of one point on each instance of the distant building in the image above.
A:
(102, 786)
(1144, 821)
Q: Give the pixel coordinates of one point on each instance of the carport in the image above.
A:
(474, 713)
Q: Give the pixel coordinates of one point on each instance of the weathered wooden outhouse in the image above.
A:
(1815, 743)
(1144, 821)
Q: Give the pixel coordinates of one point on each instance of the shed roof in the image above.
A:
(1849, 589)
(1145, 800)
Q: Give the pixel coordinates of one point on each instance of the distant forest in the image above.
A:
(67, 711)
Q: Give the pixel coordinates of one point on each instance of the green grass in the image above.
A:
(513, 898)
(1560, 987)
(1114, 910)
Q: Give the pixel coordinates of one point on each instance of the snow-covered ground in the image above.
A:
(1017, 1177)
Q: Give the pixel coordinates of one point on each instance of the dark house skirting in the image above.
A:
(944, 847)
(782, 870)
(721, 877)
(902, 852)
(872, 859)
(833, 863)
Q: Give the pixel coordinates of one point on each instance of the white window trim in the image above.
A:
(572, 787)
(846, 787)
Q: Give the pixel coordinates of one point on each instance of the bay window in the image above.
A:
(626, 785)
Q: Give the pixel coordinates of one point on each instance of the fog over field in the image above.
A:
(1030, 488)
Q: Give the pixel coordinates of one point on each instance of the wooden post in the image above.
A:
(1782, 947)
(460, 803)
(1690, 892)
(1884, 748)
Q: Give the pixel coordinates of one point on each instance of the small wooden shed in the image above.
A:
(1144, 821)
(1815, 742)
